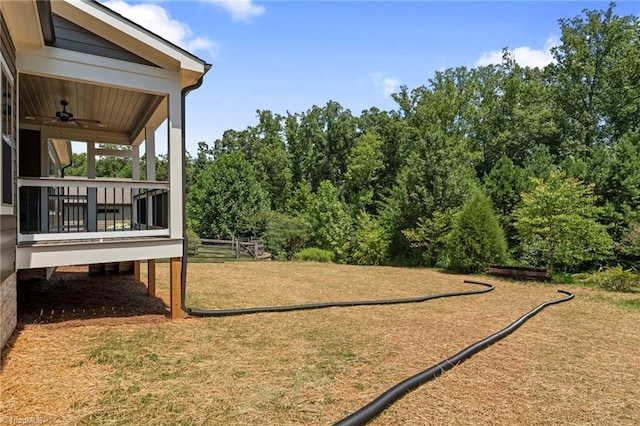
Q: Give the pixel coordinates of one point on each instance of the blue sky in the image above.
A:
(289, 55)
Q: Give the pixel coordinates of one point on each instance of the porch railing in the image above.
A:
(73, 208)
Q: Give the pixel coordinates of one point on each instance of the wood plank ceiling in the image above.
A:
(117, 110)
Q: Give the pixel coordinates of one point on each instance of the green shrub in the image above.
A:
(613, 279)
(476, 239)
(563, 278)
(314, 254)
(284, 235)
(370, 242)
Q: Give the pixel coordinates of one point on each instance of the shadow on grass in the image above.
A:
(72, 294)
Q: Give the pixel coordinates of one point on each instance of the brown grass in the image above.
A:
(574, 363)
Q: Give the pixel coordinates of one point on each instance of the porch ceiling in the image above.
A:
(118, 111)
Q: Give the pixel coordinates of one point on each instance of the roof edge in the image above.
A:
(117, 15)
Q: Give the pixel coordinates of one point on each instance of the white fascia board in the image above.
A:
(122, 32)
(82, 253)
(23, 21)
(77, 66)
(83, 135)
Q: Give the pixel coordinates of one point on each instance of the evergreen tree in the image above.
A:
(476, 240)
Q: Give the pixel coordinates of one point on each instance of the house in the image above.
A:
(73, 70)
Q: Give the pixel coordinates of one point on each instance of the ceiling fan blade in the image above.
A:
(87, 120)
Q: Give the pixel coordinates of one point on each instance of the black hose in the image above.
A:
(243, 311)
(375, 407)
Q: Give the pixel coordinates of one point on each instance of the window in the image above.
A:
(7, 129)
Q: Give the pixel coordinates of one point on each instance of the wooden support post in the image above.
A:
(175, 299)
(151, 277)
(136, 270)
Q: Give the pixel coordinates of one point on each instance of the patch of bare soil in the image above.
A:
(74, 297)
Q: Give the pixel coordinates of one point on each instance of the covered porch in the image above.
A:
(110, 85)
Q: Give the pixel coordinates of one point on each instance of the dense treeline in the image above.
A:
(499, 163)
(491, 164)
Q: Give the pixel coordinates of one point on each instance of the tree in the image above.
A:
(78, 166)
(504, 184)
(363, 163)
(114, 167)
(429, 237)
(596, 79)
(620, 188)
(330, 223)
(557, 224)
(284, 235)
(432, 181)
(226, 199)
(370, 242)
(437, 174)
(476, 240)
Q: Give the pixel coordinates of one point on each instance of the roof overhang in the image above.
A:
(109, 25)
(96, 87)
(23, 20)
(63, 151)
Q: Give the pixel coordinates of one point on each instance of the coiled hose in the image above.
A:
(375, 407)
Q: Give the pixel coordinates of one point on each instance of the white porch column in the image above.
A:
(44, 192)
(135, 175)
(150, 156)
(150, 148)
(135, 165)
(175, 162)
(92, 198)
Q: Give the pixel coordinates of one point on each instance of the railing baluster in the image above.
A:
(122, 207)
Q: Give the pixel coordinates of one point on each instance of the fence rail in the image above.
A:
(212, 248)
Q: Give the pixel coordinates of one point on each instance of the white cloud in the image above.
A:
(241, 10)
(157, 20)
(524, 55)
(388, 85)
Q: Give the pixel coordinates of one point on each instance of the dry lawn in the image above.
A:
(98, 351)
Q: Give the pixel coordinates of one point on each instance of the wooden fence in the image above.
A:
(206, 248)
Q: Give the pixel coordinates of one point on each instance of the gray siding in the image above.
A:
(73, 37)
(8, 49)
(7, 246)
(8, 223)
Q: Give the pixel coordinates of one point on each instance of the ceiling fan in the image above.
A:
(65, 116)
